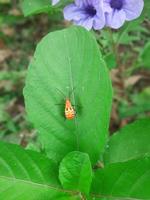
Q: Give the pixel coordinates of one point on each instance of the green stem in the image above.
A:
(114, 45)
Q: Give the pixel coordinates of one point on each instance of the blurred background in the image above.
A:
(18, 39)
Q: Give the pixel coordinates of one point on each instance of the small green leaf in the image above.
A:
(146, 8)
(28, 175)
(69, 60)
(139, 104)
(130, 142)
(124, 36)
(145, 55)
(129, 180)
(75, 172)
(110, 60)
(31, 7)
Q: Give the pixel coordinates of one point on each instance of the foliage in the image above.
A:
(37, 6)
(125, 180)
(61, 69)
(76, 159)
(28, 175)
(145, 55)
(75, 172)
(135, 136)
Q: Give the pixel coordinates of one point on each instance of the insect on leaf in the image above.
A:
(69, 59)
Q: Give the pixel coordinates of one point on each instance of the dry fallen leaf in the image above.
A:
(4, 54)
(8, 31)
(132, 80)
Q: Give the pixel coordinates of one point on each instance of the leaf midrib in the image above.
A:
(65, 191)
(114, 197)
(72, 86)
(38, 184)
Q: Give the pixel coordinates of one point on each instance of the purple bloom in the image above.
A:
(55, 2)
(119, 11)
(86, 13)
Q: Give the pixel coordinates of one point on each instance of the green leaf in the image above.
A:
(4, 1)
(124, 36)
(139, 104)
(28, 175)
(69, 61)
(130, 142)
(31, 7)
(129, 180)
(146, 8)
(75, 172)
(110, 60)
(145, 55)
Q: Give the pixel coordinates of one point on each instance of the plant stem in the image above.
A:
(82, 196)
(114, 45)
(120, 69)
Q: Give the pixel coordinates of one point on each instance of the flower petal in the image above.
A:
(115, 19)
(133, 8)
(86, 23)
(72, 12)
(55, 2)
(86, 13)
(98, 23)
(107, 7)
(79, 3)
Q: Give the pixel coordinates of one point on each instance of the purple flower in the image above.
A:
(86, 13)
(119, 11)
(55, 2)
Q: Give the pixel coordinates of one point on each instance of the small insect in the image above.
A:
(69, 109)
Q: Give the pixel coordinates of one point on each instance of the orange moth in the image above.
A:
(69, 109)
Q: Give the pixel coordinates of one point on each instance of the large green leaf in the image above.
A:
(130, 142)
(28, 175)
(69, 60)
(129, 180)
(75, 172)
